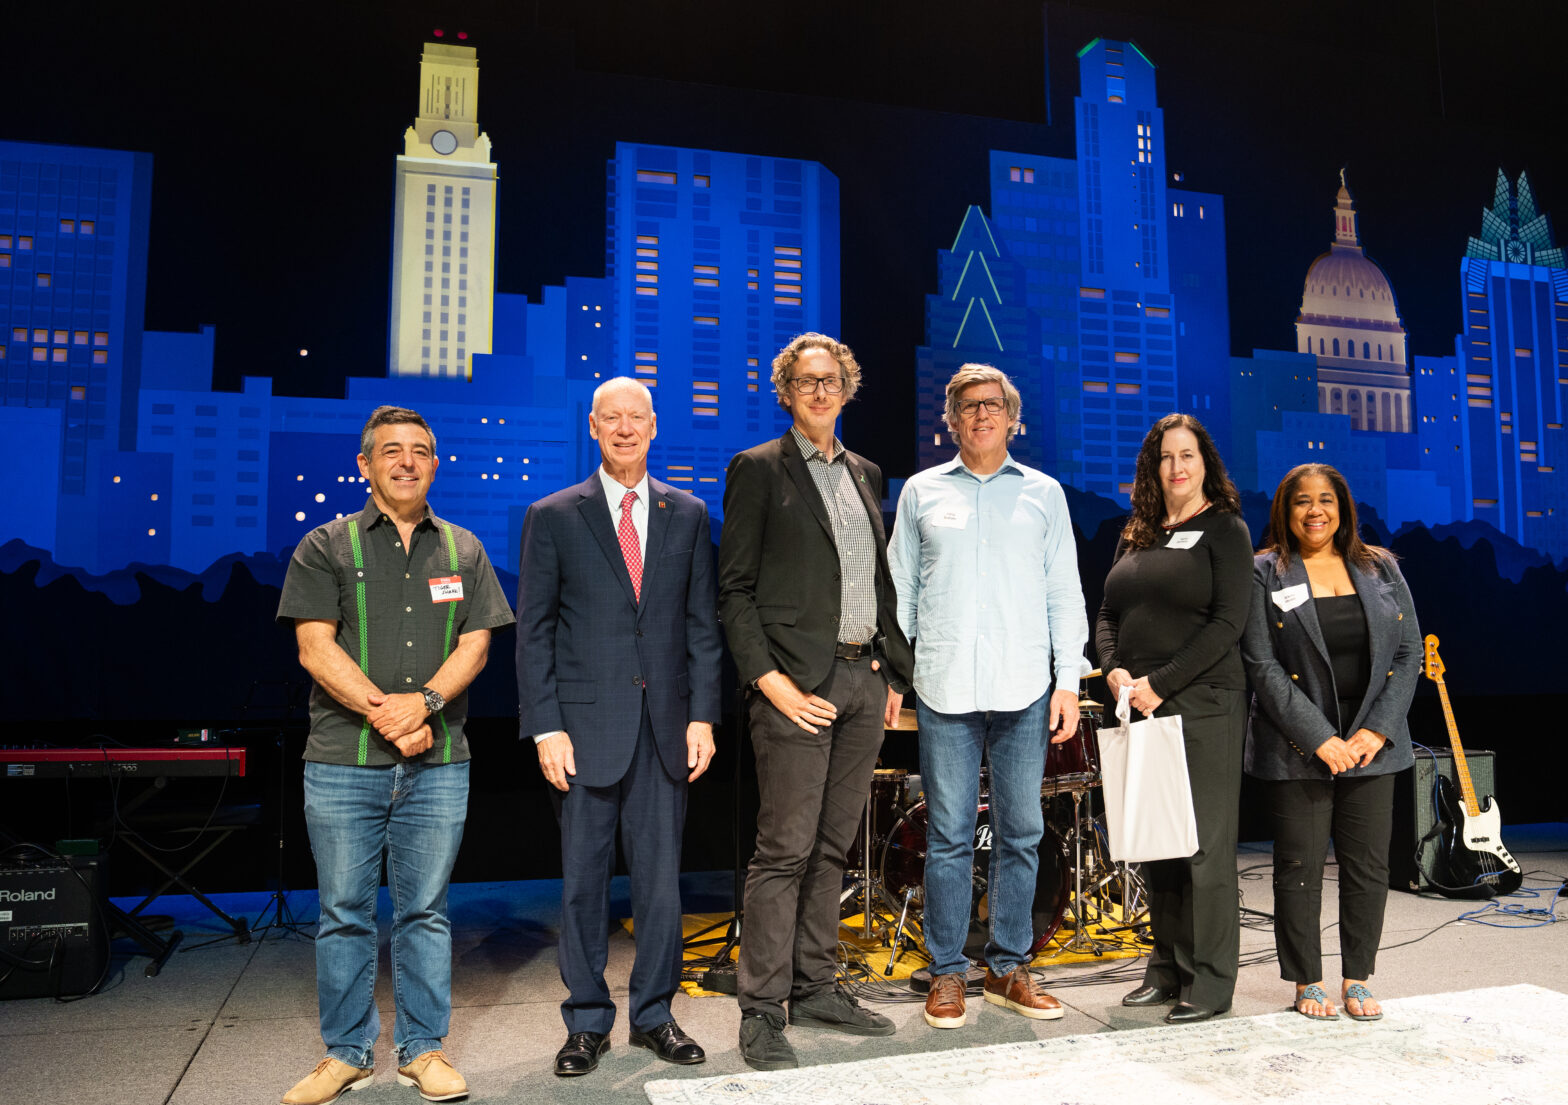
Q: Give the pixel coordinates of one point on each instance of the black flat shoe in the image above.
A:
(580, 1054)
(1149, 995)
(1187, 1013)
(669, 1043)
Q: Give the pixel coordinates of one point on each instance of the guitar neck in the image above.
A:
(1461, 765)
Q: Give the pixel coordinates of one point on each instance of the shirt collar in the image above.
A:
(615, 490)
(808, 450)
(371, 517)
(957, 465)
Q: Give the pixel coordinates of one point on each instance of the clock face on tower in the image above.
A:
(1514, 251)
(443, 142)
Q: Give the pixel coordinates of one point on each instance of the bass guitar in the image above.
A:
(1471, 860)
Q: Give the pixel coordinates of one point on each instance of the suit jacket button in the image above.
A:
(636, 680)
(639, 633)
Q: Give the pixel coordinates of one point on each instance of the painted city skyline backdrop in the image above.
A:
(1097, 281)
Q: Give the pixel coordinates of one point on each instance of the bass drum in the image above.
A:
(903, 868)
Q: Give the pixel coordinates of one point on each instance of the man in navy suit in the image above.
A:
(618, 679)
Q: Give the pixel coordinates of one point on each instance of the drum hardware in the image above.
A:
(898, 933)
(888, 797)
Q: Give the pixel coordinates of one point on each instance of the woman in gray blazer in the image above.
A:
(1333, 652)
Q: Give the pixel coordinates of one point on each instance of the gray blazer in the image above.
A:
(1293, 683)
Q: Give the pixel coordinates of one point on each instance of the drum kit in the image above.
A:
(1076, 884)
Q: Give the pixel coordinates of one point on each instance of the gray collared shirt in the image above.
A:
(852, 535)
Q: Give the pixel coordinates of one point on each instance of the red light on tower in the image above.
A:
(462, 34)
(438, 32)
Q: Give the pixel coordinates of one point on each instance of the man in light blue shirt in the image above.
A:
(986, 570)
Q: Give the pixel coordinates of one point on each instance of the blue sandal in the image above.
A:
(1314, 993)
(1359, 993)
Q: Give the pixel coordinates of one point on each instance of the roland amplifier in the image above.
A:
(51, 926)
(1415, 809)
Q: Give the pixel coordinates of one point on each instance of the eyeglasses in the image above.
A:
(808, 385)
(967, 407)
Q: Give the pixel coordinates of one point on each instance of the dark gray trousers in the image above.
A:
(813, 792)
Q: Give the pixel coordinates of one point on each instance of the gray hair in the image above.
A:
(970, 374)
(392, 416)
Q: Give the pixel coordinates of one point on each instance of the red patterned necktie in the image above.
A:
(629, 548)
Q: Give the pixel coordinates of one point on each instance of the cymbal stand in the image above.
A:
(865, 885)
(898, 934)
(1081, 940)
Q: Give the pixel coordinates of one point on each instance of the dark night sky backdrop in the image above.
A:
(274, 134)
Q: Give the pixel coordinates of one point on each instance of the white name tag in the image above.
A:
(1184, 540)
(950, 519)
(1288, 598)
(446, 589)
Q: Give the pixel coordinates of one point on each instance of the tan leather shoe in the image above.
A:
(945, 1002)
(331, 1079)
(433, 1077)
(1018, 991)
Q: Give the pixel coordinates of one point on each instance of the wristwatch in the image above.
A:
(433, 700)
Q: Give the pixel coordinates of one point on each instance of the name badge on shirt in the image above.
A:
(446, 589)
(950, 519)
(1184, 540)
(1288, 598)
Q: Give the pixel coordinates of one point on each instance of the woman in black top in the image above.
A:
(1175, 605)
(1333, 653)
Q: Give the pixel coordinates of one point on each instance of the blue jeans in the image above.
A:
(1014, 742)
(414, 813)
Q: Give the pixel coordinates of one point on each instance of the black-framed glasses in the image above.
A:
(808, 385)
(967, 407)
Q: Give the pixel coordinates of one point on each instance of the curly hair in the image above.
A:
(1148, 500)
(970, 374)
(1281, 541)
(392, 416)
(789, 356)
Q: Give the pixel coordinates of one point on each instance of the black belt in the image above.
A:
(852, 650)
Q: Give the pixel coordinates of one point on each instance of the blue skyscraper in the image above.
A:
(716, 260)
(1513, 356)
(73, 265)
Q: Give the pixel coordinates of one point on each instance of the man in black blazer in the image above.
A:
(811, 618)
(618, 682)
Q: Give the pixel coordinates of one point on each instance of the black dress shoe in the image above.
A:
(1149, 995)
(1188, 1013)
(669, 1043)
(580, 1054)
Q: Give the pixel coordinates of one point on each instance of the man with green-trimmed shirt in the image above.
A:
(393, 609)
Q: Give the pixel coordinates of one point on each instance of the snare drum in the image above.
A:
(1075, 763)
(888, 800)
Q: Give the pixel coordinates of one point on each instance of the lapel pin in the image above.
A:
(661, 504)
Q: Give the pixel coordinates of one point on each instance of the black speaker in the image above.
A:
(1415, 809)
(52, 940)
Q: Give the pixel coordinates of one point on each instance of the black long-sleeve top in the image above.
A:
(1176, 614)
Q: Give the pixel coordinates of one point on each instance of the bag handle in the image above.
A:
(1124, 706)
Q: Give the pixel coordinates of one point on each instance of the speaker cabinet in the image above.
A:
(1415, 809)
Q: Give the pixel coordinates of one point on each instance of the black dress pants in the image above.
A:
(1194, 908)
(1359, 814)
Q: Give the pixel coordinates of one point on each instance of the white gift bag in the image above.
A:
(1148, 797)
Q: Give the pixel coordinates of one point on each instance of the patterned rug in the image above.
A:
(1477, 1047)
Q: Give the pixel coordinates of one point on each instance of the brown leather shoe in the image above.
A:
(433, 1077)
(945, 1002)
(1019, 992)
(331, 1079)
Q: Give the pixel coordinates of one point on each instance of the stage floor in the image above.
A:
(237, 1023)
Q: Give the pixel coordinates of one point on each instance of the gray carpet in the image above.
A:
(237, 1024)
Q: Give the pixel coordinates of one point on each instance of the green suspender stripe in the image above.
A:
(446, 643)
(364, 630)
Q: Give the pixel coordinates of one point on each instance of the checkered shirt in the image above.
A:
(852, 535)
